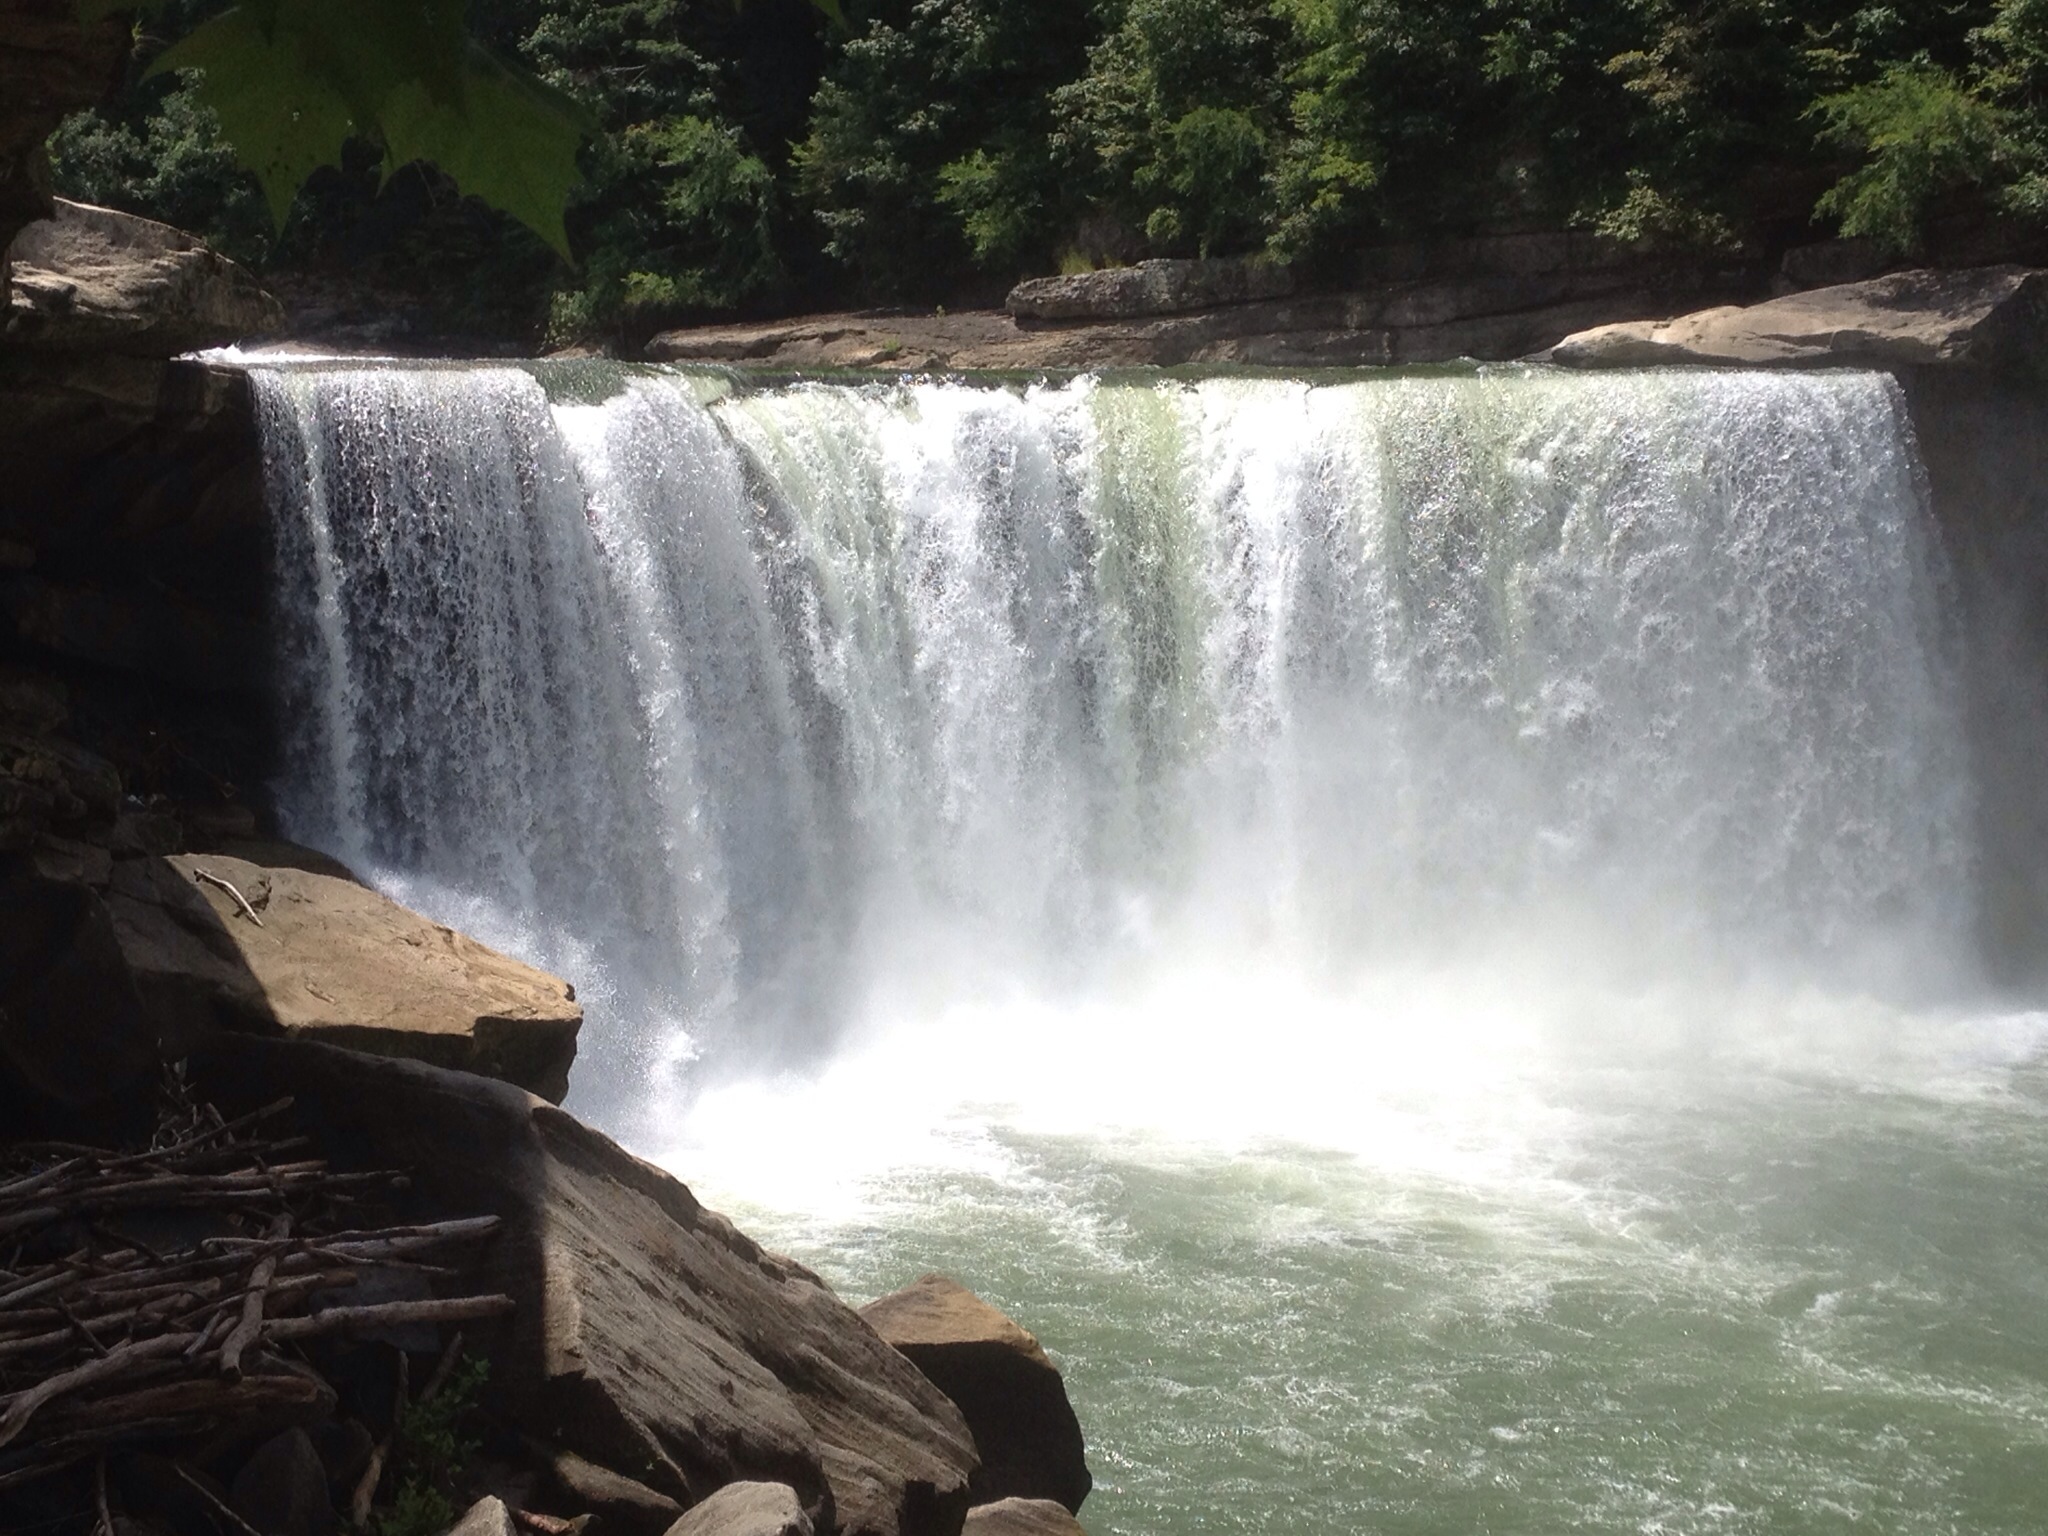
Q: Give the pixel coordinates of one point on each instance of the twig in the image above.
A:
(443, 1369)
(240, 900)
(389, 1314)
(246, 1330)
(373, 1472)
(219, 1508)
(99, 1494)
(110, 1365)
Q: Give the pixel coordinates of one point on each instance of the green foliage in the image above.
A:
(751, 156)
(434, 1440)
(929, 150)
(167, 159)
(1173, 129)
(1921, 134)
(417, 1511)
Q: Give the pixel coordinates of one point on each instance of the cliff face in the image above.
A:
(1984, 440)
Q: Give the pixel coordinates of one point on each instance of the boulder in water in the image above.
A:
(1991, 318)
(218, 942)
(649, 1337)
(1011, 1394)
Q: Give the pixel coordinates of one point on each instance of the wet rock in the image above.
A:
(624, 1506)
(282, 1489)
(650, 1337)
(320, 957)
(1992, 319)
(486, 1517)
(746, 1509)
(90, 279)
(1022, 1517)
(1009, 1391)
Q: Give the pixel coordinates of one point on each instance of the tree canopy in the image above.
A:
(692, 157)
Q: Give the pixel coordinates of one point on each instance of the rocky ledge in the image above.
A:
(1991, 319)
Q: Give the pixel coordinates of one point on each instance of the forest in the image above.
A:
(766, 156)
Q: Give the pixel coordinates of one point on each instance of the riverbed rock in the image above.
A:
(747, 1509)
(91, 279)
(1010, 1393)
(486, 1517)
(1993, 319)
(1022, 1517)
(650, 1336)
(329, 959)
(624, 1505)
(1150, 288)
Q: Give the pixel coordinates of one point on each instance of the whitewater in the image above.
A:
(1421, 929)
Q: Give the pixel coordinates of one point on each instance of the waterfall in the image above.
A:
(744, 707)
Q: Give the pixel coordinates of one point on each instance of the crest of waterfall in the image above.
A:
(740, 706)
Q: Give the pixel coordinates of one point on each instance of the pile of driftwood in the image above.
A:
(159, 1300)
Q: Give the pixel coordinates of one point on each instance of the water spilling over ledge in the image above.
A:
(766, 701)
(1432, 923)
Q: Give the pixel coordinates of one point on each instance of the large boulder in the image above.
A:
(650, 1336)
(1011, 1394)
(1150, 288)
(746, 1509)
(1989, 318)
(1022, 1517)
(93, 280)
(318, 957)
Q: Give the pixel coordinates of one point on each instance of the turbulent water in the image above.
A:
(1420, 929)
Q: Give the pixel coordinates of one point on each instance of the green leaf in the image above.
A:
(509, 140)
(293, 80)
(283, 117)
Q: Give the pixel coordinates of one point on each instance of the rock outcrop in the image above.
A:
(91, 279)
(1010, 1393)
(317, 957)
(1150, 288)
(649, 1336)
(746, 1509)
(1990, 319)
(1022, 1517)
(1427, 302)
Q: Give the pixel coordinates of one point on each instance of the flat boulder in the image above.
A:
(649, 1337)
(1022, 1517)
(218, 942)
(1991, 319)
(747, 1509)
(1010, 1393)
(91, 279)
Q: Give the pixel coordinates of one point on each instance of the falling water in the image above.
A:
(1446, 773)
